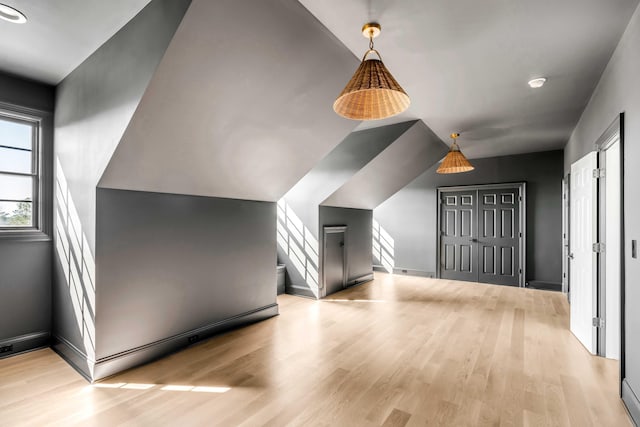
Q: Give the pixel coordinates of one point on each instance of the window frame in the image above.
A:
(38, 230)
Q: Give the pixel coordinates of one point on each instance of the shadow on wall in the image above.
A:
(78, 266)
(383, 251)
(299, 244)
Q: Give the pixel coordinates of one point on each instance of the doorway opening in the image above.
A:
(482, 233)
(566, 196)
(334, 260)
(609, 255)
(596, 242)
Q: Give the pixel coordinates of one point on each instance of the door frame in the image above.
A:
(566, 242)
(334, 229)
(617, 126)
(522, 188)
(608, 138)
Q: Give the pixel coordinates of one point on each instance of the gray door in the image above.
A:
(480, 235)
(458, 236)
(334, 262)
(499, 236)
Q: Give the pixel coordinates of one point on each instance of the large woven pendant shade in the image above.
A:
(455, 161)
(372, 93)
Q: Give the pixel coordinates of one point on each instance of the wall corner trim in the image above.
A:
(631, 401)
(75, 357)
(300, 291)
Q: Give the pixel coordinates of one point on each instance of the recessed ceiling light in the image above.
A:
(536, 83)
(12, 15)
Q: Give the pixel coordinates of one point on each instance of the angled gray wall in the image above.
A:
(240, 107)
(25, 264)
(411, 154)
(618, 92)
(170, 265)
(364, 170)
(94, 105)
(244, 137)
(410, 216)
(299, 225)
(351, 155)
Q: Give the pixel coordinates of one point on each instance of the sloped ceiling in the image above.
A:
(415, 151)
(357, 149)
(334, 170)
(95, 103)
(59, 35)
(240, 106)
(466, 63)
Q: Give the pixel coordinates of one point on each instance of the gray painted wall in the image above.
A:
(411, 154)
(351, 155)
(26, 93)
(240, 106)
(358, 239)
(303, 201)
(94, 105)
(410, 216)
(365, 169)
(168, 263)
(617, 92)
(25, 288)
(25, 264)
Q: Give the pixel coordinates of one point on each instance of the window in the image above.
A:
(19, 171)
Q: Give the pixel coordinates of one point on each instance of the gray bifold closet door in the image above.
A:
(481, 235)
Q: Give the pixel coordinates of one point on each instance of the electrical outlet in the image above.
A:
(193, 338)
(6, 348)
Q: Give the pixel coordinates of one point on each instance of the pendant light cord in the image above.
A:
(371, 49)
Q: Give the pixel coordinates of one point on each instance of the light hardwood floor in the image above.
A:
(397, 351)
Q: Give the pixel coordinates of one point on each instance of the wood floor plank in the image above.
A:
(398, 351)
(396, 418)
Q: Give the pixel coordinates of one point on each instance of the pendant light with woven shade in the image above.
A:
(455, 161)
(372, 93)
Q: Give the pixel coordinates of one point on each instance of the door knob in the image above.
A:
(570, 256)
(473, 240)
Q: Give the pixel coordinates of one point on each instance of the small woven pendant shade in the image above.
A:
(372, 93)
(455, 161)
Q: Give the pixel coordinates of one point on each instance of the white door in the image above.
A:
(613, 217)
(582, 235)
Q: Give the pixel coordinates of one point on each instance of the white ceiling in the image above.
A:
(466, 63)
(59, 34)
